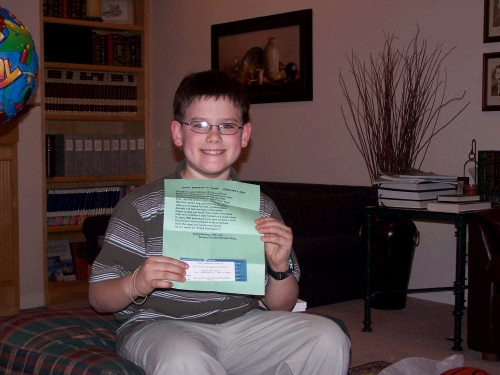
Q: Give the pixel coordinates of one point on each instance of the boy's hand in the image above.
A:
(159, 272)
(278, 240)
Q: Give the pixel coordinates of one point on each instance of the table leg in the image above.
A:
(459, 284)
(368, 269)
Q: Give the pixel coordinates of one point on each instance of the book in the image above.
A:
(50, 157)
(79, 251)
(61, 249)
(79, 159)
(416, 175)
(141, 156)
(488, 172)
(459, 198)
(423, 193)
(55, 269)
(88, 155)
(458, 207)
(98, 155)
(417, 186)
(404, 203)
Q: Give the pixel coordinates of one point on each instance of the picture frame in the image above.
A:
(491, 81)
(239, 48)
(491, 29)
(117, 11)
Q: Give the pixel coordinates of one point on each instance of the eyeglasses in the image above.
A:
(204, 127)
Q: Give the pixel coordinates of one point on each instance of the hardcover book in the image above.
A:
(458, 207)
(403, 203)
(61, 249)
(55, 269)
(79, 251)
(459, 198)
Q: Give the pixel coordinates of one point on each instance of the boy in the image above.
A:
(170, 331)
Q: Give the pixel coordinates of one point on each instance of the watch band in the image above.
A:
(281, 275)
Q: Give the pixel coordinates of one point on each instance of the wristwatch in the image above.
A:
(281, 275)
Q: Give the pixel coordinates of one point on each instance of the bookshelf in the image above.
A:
(76, 84)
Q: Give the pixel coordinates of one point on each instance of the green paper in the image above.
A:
(210, 224)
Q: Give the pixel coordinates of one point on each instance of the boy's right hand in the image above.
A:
(159, 272)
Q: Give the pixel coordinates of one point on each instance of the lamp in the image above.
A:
(94, 10)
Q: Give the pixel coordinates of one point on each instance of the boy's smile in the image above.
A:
(210, 155)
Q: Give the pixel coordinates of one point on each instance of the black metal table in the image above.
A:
(460, 221)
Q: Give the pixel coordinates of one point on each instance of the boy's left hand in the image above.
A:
(277, 238)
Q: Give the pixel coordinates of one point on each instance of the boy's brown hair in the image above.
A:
(211, 84)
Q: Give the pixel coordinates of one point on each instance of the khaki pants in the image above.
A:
(260, 342)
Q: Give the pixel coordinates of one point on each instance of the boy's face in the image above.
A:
(210, 155)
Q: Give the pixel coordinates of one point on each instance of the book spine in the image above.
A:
(132, 154)
(88, 155)
(78, 154)
(141, 155)
(59, 155)
(50, 156)
(123, 154)
(98, 155)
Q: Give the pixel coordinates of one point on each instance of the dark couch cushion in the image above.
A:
(331, 268)
(315, 210)
(55, 342)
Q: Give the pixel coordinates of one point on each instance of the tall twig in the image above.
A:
(396, 110)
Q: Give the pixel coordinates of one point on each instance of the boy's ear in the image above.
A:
(176, 129)
(245, 134)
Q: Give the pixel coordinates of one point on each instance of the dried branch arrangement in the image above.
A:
(397, 104)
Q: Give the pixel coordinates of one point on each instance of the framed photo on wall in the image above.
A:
(271, 55)
(491, 81)
(491, 31)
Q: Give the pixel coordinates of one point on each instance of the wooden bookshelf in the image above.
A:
(94, 124)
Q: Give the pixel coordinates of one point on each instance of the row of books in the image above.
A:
(72, 91)
(73, 9)
(488, 174)
(70, 155)
(67, 260)
(116, 49)
(73, 206)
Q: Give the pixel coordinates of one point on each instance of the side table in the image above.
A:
(460, 222)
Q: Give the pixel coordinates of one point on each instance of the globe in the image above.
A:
(18, 65)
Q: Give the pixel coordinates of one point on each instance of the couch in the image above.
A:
(326, 221)
(483, 306)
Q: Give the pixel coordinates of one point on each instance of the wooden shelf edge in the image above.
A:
(94, 24)
(61, 117)
(128, 177)
(64, 229)
(93, 67)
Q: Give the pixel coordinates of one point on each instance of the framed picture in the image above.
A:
(491, 31)
(271, 55)
(491, 81)
(117, 11)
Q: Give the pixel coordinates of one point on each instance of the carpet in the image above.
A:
(372, 368)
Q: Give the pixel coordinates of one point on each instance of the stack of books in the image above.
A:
(414, 190)
(457, 203)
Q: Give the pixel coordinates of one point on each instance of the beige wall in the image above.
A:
(297, 142)
(308, 141)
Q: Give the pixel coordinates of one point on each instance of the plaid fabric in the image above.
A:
(54, 342)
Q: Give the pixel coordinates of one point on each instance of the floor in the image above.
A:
(421, 329)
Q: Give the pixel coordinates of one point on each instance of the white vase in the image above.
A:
(271, 60)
